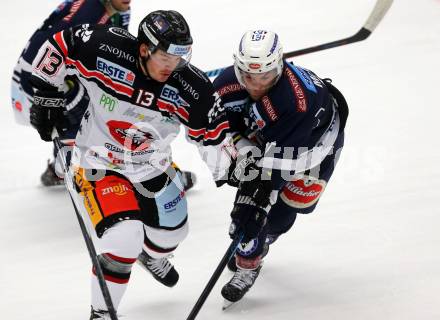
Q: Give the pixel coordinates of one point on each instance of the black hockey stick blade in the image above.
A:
(380, 9)
(218, 271)
(362, 34)
(89, 243)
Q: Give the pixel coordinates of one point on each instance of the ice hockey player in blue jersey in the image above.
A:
(68, 14)
(289, 132)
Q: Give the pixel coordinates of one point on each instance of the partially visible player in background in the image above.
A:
(66, 15)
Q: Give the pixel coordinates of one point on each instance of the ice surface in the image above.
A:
(369, 251)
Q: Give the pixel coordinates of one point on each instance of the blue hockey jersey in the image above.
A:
(295, 124)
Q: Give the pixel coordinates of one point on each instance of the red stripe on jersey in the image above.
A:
(58, 37)
(165, 106)
(196, 133)
(211, 134)
(118, 87)
(169, 107)
(183, 113)
(121, 259)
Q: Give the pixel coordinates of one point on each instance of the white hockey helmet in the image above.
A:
(259, 51)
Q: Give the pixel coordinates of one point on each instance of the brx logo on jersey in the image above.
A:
(115, 71)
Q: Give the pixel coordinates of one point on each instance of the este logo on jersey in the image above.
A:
(115, 71)
(171, 94)
(170, 206)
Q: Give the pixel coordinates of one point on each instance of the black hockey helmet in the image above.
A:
(166, 30)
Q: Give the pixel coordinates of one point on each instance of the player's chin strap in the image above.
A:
(143, 64)
(61, 155)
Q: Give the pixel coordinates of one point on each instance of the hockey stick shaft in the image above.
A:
(89, 243)
(380, 9)
(213, 280)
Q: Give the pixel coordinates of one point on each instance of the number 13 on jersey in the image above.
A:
(144, 98)
(50, 62)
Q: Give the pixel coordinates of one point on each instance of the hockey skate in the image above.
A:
(49, 177)
(240, 283)
(161, 269)
(99, 315)
(188, 179)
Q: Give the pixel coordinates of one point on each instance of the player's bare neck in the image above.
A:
(109, 8)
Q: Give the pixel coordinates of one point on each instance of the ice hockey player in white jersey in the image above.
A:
(295, 122)
(141, 91)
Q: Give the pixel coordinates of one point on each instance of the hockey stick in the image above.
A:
(87, 239)
(218, 271)
(380, 9)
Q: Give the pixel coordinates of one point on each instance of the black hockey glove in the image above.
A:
(251, 205)
(46, 111)
(241, 168)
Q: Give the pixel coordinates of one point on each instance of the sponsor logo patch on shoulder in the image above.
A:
(171, 94)
(115, 71)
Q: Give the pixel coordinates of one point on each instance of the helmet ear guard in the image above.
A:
(260, 51)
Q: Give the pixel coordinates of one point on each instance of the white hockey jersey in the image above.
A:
(131, 119)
